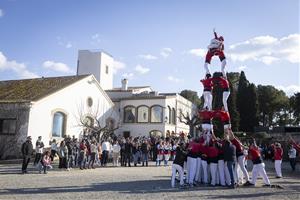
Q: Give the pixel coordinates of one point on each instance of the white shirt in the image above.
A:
(54, 146)
(106, 146)
(292, 153)
(93, 148)
(116, 148)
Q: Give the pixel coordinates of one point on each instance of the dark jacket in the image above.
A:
(229, 152)
(128, 148)
(27, 148)
(180, 156)
(144, 148)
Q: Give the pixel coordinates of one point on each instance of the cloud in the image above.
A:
(198, 52)
(165, 52)
(243, 67)
(142, 70)
(57, 66)
(174, 79)
(62, 42)
(96, 38)
(289, 90)
(19, 68)
(118, 65)
(267, 49)
(1, 13)
(68, 45)
(128, 75)
(148, 57)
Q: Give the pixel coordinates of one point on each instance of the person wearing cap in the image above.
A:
(178, 163)
(278, 153)
(27, 151)
(216, 48)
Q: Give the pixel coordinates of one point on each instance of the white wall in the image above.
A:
(71, 100)
(95, 63)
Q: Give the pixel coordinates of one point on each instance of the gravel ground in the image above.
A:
(131, 183)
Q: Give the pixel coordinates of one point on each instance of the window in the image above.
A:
(129, 114)
(59, 124)
(106, 69)
(89, 102)
(170, 114)
(8, 126)
(173, 116)
(143, 114)
(88, 121)
(155, 133)
(156, 114)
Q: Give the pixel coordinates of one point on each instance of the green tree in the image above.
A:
(295, 108)
(247, 105)
(192, 96)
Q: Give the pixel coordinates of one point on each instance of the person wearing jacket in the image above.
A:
(27, 151)
(178, 163)
(229, 159)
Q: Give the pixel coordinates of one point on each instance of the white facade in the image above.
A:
(170, 122)
(99, 64)
(72, 101)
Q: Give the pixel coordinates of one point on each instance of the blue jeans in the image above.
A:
(145, 158)
(230, 169)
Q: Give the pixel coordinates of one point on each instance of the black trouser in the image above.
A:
(53, 153)
(38, 157)
(127, 159)
(104, 157)
(62, 162)
(293, 163)
(26, 160)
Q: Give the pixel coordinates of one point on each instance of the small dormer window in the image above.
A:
(90, 102)
(106, 69)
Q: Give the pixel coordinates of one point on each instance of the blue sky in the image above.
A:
(157, 43)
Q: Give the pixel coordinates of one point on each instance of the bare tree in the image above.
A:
(93, 124)
(192, 122)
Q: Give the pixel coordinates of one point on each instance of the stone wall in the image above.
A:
(10, 145)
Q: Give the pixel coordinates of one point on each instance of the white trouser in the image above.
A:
(204, 168)
(179, 169)
(207, 99)
(206, 68)
(278, 167)
(191, 164)
(241, 163)
(198, 170)
(213, 173)
(225, 97)
(259, 169)
(223, 65)
(221, 168)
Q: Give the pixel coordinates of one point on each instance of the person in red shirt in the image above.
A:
(206, 118)
(204, 159)
(278, 153)
(192, 161)
(224, 84)
(224, 117)
(258, 165)
(213, 161)
(207, 89)
(216, 48)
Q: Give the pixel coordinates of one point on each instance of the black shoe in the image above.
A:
(278, 177)
(248, 184)
(266, 185)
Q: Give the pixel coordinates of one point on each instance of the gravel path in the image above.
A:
(130, 183)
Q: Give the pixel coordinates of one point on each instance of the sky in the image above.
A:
(156, 43)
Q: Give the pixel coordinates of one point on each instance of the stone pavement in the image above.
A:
(131, 183)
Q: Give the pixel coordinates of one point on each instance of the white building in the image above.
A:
(143, 112)
(48, 107)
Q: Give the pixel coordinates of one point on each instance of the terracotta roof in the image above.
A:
(27, 90)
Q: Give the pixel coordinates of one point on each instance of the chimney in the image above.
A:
(124, 84)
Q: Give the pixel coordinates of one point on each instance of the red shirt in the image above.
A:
(222, 115)
(296, 146)
(207, 84)
(212, 152)
(194, 147)
(223, 82)
(206, 115)
(237, 145)
(278, 152)
(254, 152)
